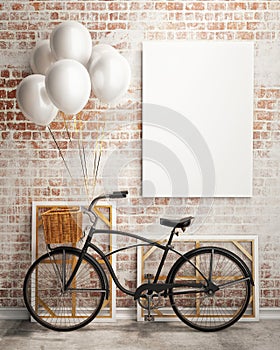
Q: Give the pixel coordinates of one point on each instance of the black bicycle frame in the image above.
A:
(105, 257)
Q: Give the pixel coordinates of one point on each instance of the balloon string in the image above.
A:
(83, 149)
(85, 161)
(82, 160)
(66, 127)
(82, 154)
(61, 155)
(97, 157)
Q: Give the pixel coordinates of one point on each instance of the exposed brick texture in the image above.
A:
(32, 169)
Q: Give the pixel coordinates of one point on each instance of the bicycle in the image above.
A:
(209, 288)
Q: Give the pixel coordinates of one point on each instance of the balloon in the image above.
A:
(33, 100)
(68, 85)
(98, 50)
(41, 57)
(110, 76)
(71, 40)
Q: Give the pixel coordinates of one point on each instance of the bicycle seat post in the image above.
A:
(167, 248)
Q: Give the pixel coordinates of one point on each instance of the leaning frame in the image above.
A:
(238, 243)
(108, 311)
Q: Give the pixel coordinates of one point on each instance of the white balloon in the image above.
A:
(34, 101)
(41, 57)
(98, 50)
(71, 40)
(110, 77)
(68, 85)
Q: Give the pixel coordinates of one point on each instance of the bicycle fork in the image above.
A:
(60, 273)
(60, 269)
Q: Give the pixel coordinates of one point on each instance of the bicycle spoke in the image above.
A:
(211, 265)
(227, 284)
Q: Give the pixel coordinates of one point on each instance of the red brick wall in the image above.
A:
(31, 168)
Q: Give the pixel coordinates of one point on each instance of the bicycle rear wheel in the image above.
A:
(223, 305)
(49, 304)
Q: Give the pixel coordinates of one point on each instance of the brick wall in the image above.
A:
(31, 168)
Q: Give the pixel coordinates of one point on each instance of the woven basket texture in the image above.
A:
(62, 225)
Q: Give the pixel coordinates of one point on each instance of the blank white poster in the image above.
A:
(197, 119)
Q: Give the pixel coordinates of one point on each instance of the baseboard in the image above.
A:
(8, 313)
(270, 313)
(124, 313)
(121, 314)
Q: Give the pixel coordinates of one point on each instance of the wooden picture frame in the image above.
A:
(245, 246)
(107, 215)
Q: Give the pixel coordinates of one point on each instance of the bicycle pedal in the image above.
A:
(148, 276)
(149, 318)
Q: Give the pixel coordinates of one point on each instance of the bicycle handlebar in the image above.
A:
(115, 194)
(118, 194)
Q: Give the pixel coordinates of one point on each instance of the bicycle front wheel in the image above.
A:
(215, 308)
(46, 299)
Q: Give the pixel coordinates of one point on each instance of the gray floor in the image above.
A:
(132, 335)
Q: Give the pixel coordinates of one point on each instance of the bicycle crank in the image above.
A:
(149, 298)
(150, 301)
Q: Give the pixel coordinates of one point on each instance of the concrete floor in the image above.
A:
(132, 335)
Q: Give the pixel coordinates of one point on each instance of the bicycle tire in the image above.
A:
(203, 311)
(64, 311)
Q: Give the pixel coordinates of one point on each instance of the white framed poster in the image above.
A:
(197, 118)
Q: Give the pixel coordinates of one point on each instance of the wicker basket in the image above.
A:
(62, 225)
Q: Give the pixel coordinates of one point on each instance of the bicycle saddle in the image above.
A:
(182, 223)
